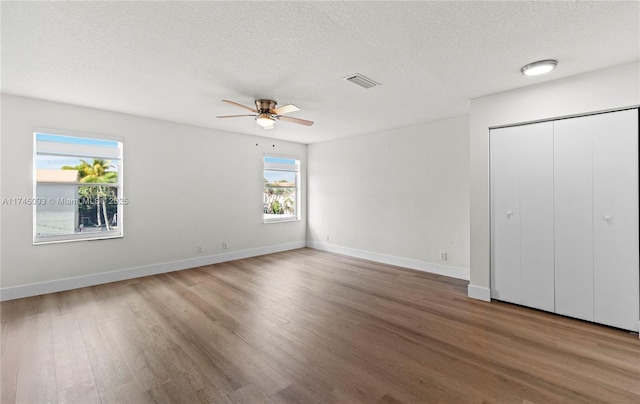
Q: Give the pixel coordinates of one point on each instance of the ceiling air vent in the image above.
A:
(360, 80)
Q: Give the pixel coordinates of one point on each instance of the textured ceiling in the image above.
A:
(176, 60)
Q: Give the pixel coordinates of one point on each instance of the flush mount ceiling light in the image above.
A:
(539, 67)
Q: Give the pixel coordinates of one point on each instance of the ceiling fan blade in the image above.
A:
(285, 109)
(240, 105)
(232, 116)
(295, 120)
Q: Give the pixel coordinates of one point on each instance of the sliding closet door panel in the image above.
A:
(536, 216)
(573, 217)
(615, 183)
(505, 215)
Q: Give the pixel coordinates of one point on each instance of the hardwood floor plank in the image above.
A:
(36, 381)
(85, 393)
(70, 355)
(144, 362)
(108, 367)
(305, 326)
(248, 394)
(127, 393)
(173, 391)
(11, 343)
(207, 395)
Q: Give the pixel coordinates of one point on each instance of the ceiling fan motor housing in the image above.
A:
(265, 105)
(265, 117)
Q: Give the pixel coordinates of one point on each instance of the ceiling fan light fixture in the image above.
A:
(265, 120)
(539, 67)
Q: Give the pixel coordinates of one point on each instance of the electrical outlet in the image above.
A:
(443, 255)
(199, 249)
(225, 245)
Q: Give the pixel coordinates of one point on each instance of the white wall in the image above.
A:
(602, 90)
(399, 196)
(187, 186)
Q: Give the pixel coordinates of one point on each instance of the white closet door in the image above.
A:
(573, 217)
(536, 216)
(615, 186)
(522, 215)
(505, 214)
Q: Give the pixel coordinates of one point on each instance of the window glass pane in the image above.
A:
(45, 137)
(87, 169)
(279, 202)
(280, 188)
(65, 209)
(77, 188)
(53, 215)
(279, 160)
(279, 178)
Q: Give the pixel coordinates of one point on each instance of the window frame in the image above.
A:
(270, 166)
(78, 150)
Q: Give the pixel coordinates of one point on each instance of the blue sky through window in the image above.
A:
(44, 137)
(273, 176)
(279, 160)
(55, 162)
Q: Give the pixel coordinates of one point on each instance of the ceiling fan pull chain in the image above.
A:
(273, 128)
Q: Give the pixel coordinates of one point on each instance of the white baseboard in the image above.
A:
(453, 272)
(59, 285)
(479, 293)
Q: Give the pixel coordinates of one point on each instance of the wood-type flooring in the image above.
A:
(304, 326)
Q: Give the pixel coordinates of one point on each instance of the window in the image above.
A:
(77, 187)
(281, 177)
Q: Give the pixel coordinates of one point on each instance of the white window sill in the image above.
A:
(279, 219)
(77, 237)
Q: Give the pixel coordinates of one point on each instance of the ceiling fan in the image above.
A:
(267, 113)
